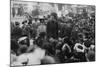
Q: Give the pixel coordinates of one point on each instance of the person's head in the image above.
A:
(76, 29)
(93, 15)
(92, 47)
(17, 23)
(41, 20)
(24, 22)
(51, 39)
(54, 15)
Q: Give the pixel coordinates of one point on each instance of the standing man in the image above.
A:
(52, 26)
(41, 28)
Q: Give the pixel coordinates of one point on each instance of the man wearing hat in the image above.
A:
(52, 26)
(41, 28)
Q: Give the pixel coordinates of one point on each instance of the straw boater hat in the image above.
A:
(22, 38)
(79, 47)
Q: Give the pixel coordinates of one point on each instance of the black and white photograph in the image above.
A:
(44, 33)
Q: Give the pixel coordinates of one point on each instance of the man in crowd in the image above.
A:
(41, 28)
(52, 26)
(17, 31)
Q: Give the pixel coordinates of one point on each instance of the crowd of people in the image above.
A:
(53, 39)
